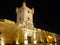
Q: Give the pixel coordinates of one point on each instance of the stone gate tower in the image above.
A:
(25, 14)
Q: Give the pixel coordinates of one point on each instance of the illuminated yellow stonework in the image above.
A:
(23, 31)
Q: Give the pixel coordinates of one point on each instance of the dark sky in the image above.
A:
(44, 17)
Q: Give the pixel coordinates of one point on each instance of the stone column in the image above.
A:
(25, 38)
(41, 36)
(35, 40)
(32, 37)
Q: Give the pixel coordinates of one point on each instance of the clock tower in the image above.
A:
(25, 14)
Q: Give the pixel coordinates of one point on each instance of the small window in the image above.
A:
(28, 11)
(28, 18)
(20, 18)
(20, 10)
(0, 32)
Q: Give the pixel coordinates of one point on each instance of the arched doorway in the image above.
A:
(29, 39)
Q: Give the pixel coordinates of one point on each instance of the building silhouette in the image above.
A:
(23, 31)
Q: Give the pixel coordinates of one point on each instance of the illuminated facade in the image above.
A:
(23, 31)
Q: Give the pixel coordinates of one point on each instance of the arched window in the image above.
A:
(28, 11)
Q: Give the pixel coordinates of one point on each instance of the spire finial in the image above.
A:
(24, 3)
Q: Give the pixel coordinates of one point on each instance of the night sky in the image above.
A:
(44, 17)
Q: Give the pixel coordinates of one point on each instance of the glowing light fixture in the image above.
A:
(2, 41)
(17, 39)
(51, 44)
(17, 42)
(25, 41)
(50, 37)
(35, 42)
